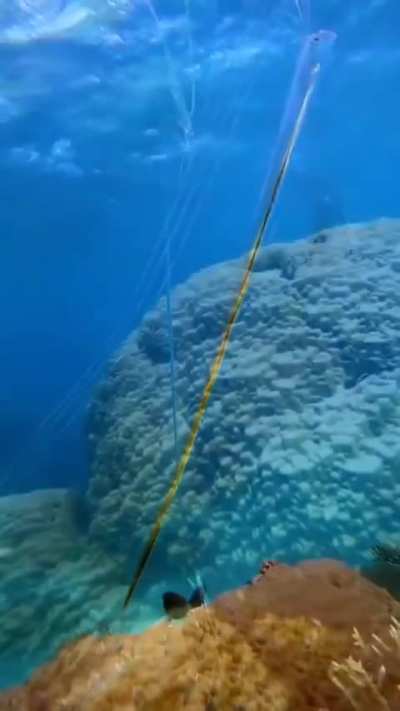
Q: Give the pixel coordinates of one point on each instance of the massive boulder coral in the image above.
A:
(300, 639)
(300, 446)
(55, 585)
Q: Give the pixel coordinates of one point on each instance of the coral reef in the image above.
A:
(303, 424)
(55, 584)
(310, 637)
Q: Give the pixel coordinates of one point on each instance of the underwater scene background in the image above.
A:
(135, 143)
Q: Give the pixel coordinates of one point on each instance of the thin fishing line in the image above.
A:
(190, 194)
(157, 255)
(180, 103)
(78, 384)
(304, 12)
(211, 174)
(145, 283)
(191, 56)
(143, 286)
(185, 121)
(91, 372)
(191, 221)
(171, 352)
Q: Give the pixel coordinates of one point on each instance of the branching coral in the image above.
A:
(365, 682)
(205, 664)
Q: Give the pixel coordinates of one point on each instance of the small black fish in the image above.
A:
(176, 606)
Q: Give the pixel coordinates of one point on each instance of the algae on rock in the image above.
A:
(280, 644)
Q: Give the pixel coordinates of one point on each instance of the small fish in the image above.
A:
(177, 606)
(265, 567)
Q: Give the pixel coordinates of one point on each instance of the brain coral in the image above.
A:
(287, 643)
(300, 446)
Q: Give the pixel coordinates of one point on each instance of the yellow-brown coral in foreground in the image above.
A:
(272, 646)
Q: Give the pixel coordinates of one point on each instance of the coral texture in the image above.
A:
(55, 586)
(301, 441)
(282, 644)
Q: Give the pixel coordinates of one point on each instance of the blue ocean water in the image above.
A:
(128, 125)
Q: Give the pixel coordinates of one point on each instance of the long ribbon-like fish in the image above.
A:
(303, 85)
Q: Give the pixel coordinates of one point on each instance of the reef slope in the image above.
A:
(280, 644)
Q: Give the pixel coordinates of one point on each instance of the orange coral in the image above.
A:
(253, 649)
